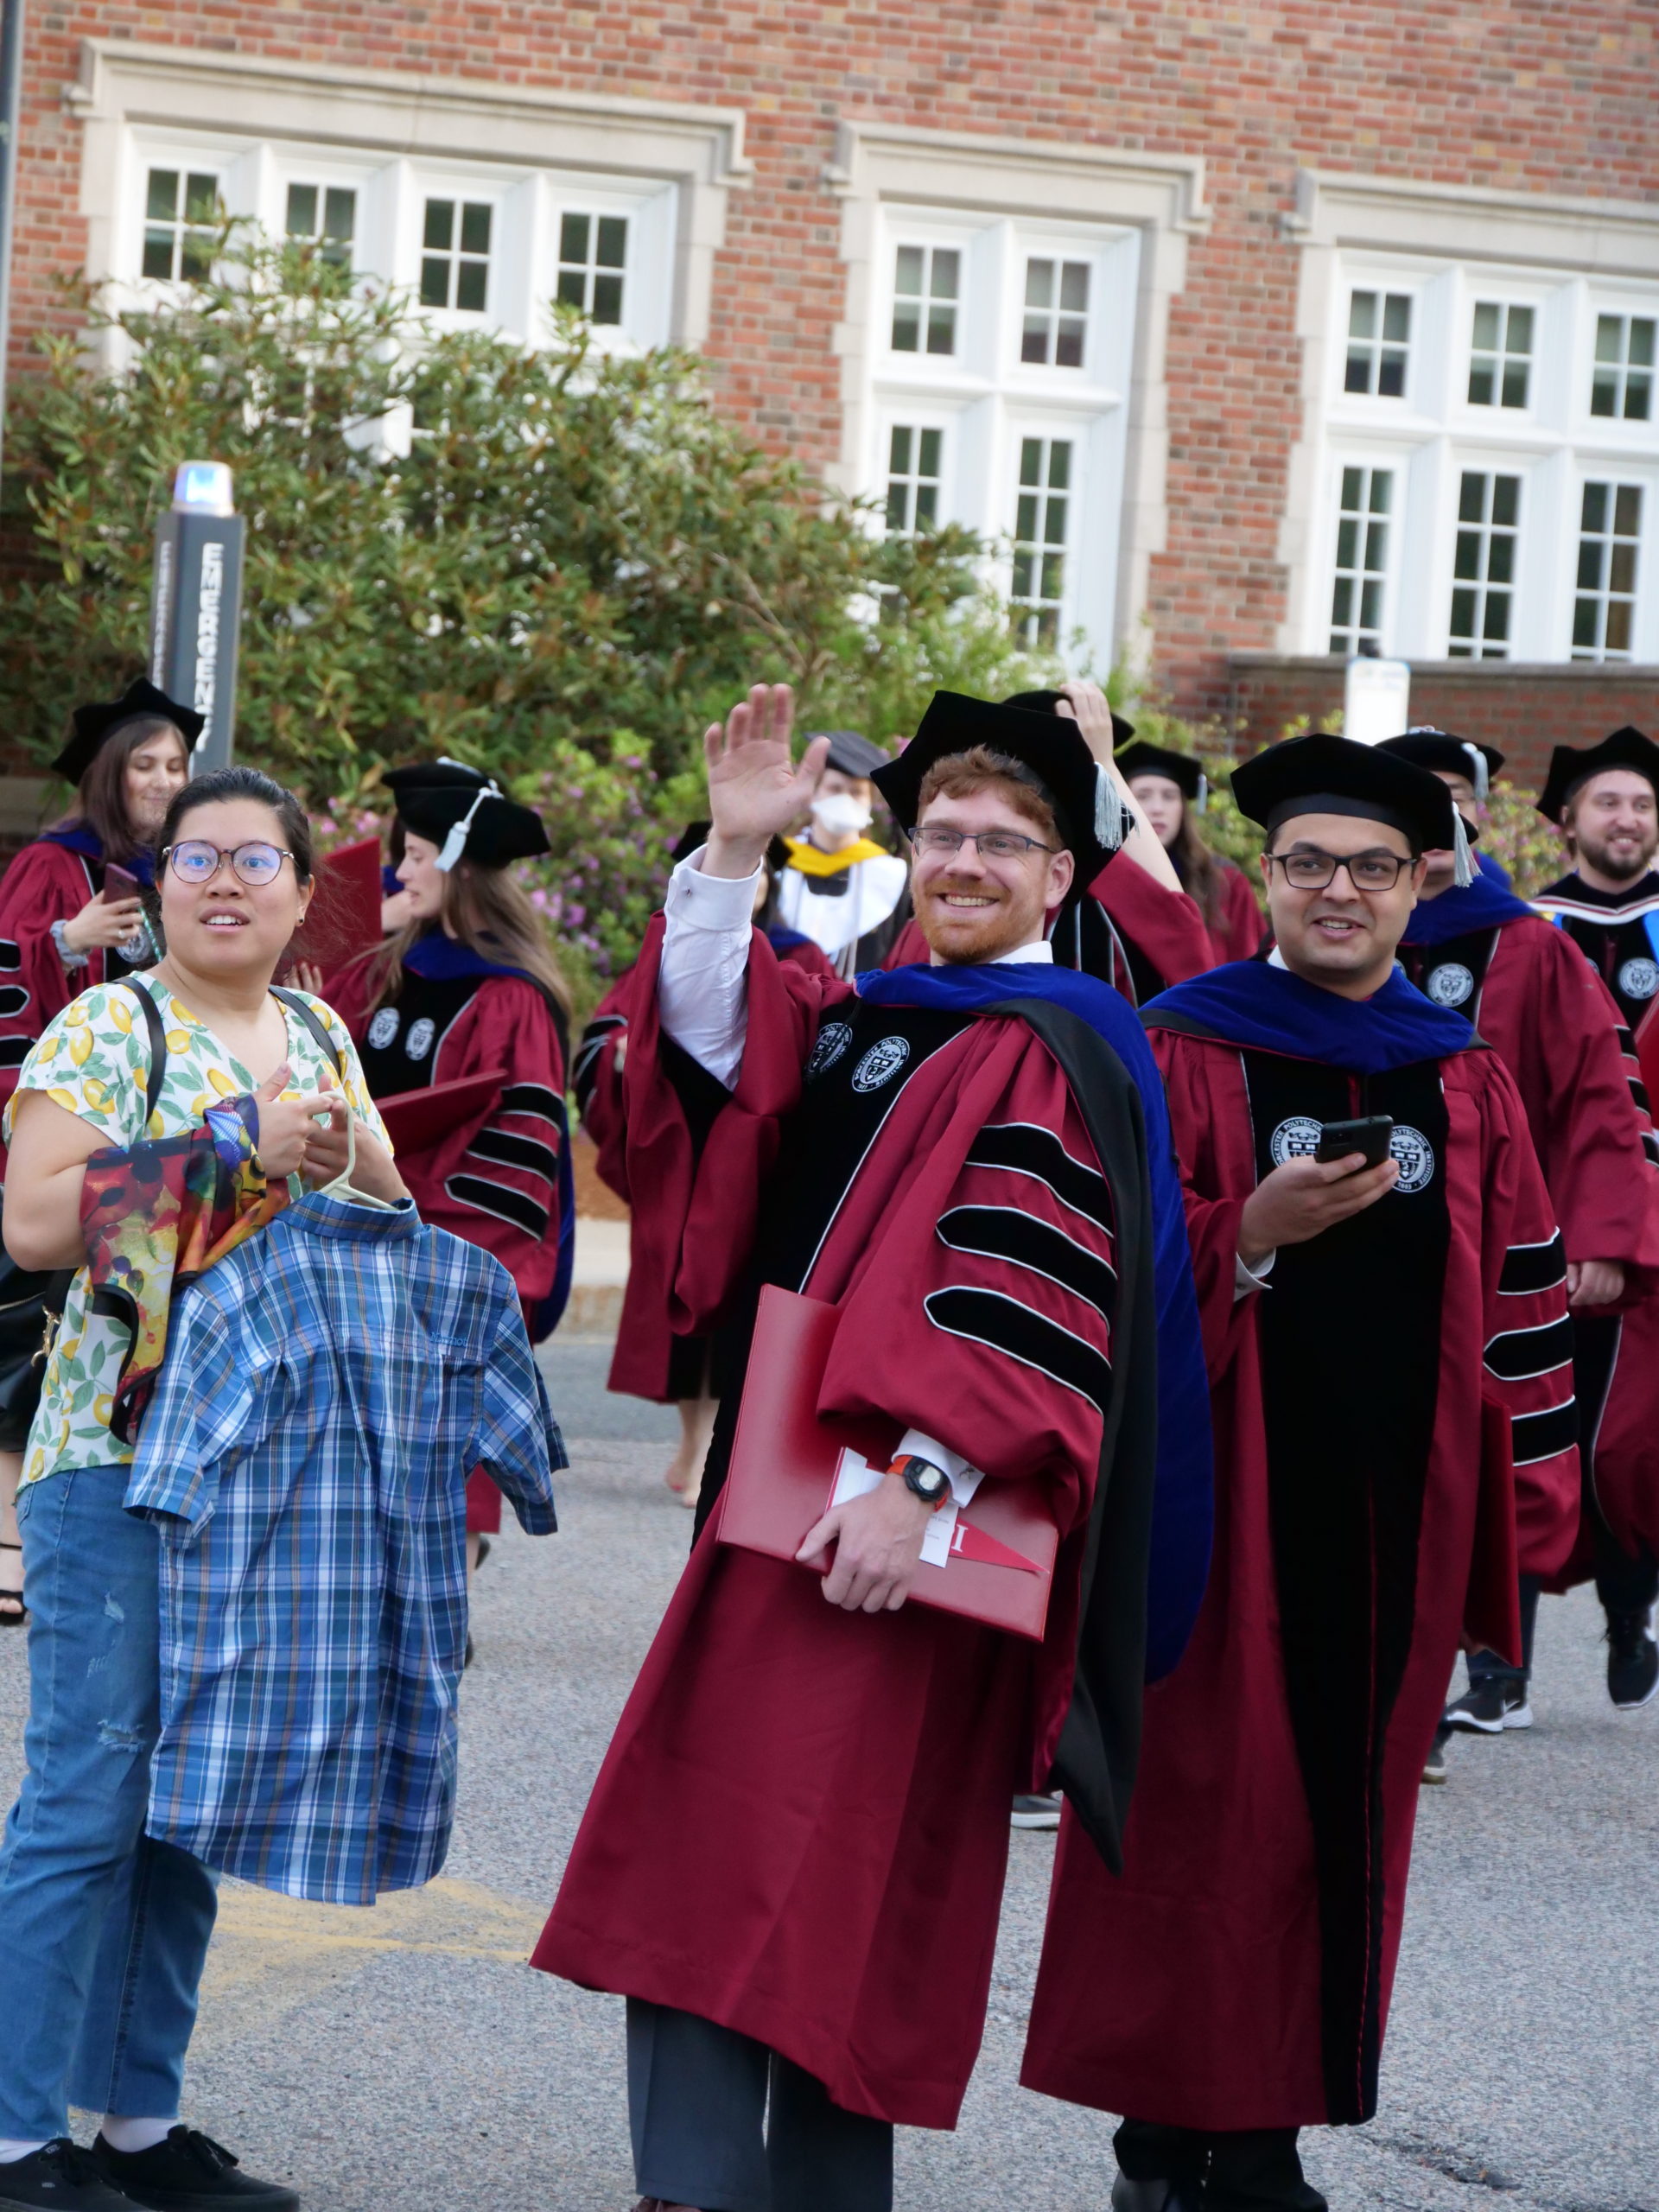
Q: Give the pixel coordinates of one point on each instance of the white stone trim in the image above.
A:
(1606, 242)
(400, 115)
(1159, 195)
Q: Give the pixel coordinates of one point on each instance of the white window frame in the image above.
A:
(1378, 461)
(670, 164)
(1010, 196)
(1566, 259)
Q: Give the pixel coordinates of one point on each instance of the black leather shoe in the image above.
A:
(188, 2172)
(61, 2176)
(1153, 2196)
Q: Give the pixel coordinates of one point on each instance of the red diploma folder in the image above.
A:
(351, 894)
(416, 1119)
(994, 1560)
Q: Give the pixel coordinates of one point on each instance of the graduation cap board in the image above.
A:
(695, 837)
(1322, 774)
(466, 813)
(1049, 703)
(850, 754)
(99, 720)
(1438, 749)
(1087, 809)
(1139, 757)
(1570, 765)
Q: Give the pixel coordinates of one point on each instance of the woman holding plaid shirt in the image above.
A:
(104, 1931)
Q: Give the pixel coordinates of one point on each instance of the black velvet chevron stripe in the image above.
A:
(10, 953)
(1025, 1148)
(14, 1050)
(1003, 1233)
(1520, 1353)
(594, 1037)
(533, 1098)
(1530, 1268)
(13, 999)
(498, 1198)
(986, 1317)
(1540, 1436)
(516, 1152)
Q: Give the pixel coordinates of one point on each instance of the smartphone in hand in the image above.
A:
(142, 947)
(1369, 1135)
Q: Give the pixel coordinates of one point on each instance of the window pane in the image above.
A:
(340, 213)
(1068, 342)
(1486, 315)
(302, 211)
(1040, 283)
(1500, 559)
(1604, 392)
(162, 202)
(897, 519)
(1519, 336)
(927, 500)
(1357, 376)
(1396, 318)
(1341, 600)
(1641, 346)
(1022, 574)
(929, 465)
(1053, 573)
(1463, 614)
(1465, 560)
(1481, 382)
(1376, 548)
(1618, 625)
(158, 254)
(1025, 515)
(1638, 395)
(1497, 625)
(1031, 462)
(434, 283)
(196, 258)
(1361, 315)
(941, 329)
(573, 288)
(440, 224)
(1471, 498)
(1610, 331)
(1622, 570)
(906, 326)
(608, 297)
(1592, 515)
(1627, 510)
(476, 228)
(1059, 463)
(1074, 287)
(612, 249)
(1584, 624)
(899, 449)
(1391, 376)
(1506, 499)
(471, 283)
(1033, 341)
(1347, 542)
(573, 237)
(1590, 552)
(1370, 603)
(201, 202)
(908, 279)
(946, 264)
(1514, 383)
(1382, 489)
(1352, 480)
(1054, 533)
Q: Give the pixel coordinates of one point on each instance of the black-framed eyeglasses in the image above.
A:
(1309, 869)
(991, 844)
(196, 861)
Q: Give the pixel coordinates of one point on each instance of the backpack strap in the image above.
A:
(157, 1042)
(301, 1007)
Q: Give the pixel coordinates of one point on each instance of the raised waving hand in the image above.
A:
(756, 791)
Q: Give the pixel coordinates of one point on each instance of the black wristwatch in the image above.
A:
(922, 1478)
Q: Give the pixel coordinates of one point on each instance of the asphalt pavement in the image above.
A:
(406, 2056)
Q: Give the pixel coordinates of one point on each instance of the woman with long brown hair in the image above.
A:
(468, 1001)
(1170, 789)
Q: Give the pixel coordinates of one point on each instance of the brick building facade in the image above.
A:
(1256, 335)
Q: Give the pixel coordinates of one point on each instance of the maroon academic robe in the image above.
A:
(46, 883)
(1542, 1008)
(650, 1361)
(1238, 1975)
(1239, 927)
(493, 1179)
(801, 1827)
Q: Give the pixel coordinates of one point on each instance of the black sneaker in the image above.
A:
(62, 2176)
(1490, 1706)
(1153, 2196)
(1632, 1660)
(1037, 1812)
(1434, 1764)
(188, 2172)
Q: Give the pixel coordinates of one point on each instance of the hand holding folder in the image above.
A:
(992, 1560)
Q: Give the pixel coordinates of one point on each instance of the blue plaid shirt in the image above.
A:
(327, 1389)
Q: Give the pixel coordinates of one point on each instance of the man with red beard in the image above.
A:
(1390, 1362)
(792, 1863)
(1541, 1007)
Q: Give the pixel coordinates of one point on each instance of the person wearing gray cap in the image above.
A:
(839, 888)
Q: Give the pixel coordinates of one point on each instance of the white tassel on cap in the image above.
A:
(1201, 798)
(1463, 864)
(455, 844)
(1111, 821)
(1478, 774)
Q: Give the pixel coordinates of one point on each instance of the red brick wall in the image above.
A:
(1524, 710)
(1546, 95)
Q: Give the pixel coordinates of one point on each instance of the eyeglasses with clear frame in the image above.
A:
(1308, 869)
(197, 862)
(991, 845)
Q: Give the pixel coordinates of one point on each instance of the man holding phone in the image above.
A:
(1390, 1369)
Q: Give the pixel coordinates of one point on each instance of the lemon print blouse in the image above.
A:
(94, 1061)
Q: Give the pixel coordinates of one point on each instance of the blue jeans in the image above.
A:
(104, 1931)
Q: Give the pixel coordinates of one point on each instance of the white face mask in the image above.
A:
(841, 814)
